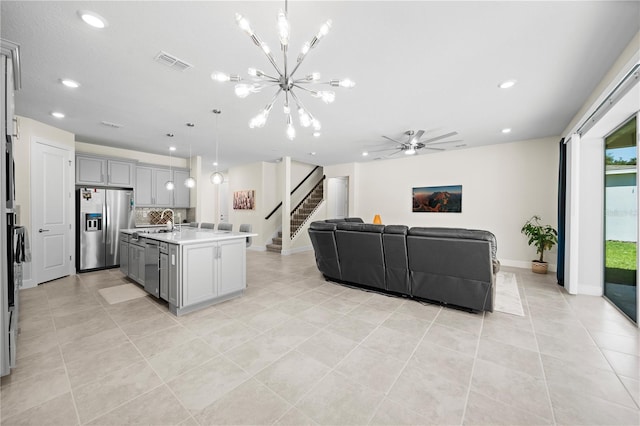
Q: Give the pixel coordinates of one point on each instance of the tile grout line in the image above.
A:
(473, 369)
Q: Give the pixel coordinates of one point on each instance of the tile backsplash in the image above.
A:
(151, 216)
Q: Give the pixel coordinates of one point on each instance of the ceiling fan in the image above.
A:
(413, 143)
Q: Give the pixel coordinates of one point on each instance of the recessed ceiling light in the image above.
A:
(507, 130)
(172, 148)
(57, 114)
(316, 134)
(93, 19)
(507, 84)
(365, 153)
(70, 83)
(215, 163)
(312, 153)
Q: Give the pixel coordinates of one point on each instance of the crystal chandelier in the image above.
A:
(284, 81)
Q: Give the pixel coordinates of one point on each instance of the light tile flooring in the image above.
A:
(298, 350)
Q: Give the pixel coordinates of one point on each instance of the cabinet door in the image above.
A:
(232, 261)
(164, 276)
(174, 276)
(144, 186)
(90, 170)
(180, 193)
(198, 273)
(162, 196)
(120, 173)
(124, 257)
(133, 263)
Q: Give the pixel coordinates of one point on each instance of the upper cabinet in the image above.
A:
(101, 171)
(152, 192)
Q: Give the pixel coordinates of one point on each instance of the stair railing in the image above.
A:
(294, 190)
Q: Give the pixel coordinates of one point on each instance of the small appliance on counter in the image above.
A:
(100, 215)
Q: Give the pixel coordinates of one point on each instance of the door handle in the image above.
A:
(43, 230)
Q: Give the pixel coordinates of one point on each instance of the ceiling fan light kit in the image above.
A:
(284, 80)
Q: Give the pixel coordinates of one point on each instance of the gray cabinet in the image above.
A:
(164, 275)
(151, 191)
(174, 275)
(101, 171)
(199, 273)
(181, 193)
(232, 266)
(136, 263)
(124, 253)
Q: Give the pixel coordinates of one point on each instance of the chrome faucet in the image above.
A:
(172, 221)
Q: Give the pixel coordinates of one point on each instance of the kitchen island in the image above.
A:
(189, 268)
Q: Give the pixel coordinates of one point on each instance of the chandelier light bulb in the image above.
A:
(259, 120)
(244, 90)
(283, 28)
(305, 118)
(220, 76)
(253, 72)
(314, 76)
(345, 82)
(244, 24)
(286, 109)
(291, 131)
(305, 49)
(324, 29)
(316, 124)
(326, 96)
(169, 185)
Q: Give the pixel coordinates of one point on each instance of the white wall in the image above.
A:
(502, 186)
(29, 130)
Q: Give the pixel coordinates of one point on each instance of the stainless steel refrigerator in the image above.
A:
(101, 214)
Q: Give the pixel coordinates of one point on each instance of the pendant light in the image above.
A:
(190, 182)
(169, 184)
(216, 177)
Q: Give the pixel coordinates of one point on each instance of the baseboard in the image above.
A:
(524, 264)
(296, 250)
(28, 284)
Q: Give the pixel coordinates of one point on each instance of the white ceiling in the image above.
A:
(418, 65)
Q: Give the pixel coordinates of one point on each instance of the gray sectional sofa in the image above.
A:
(451, 266)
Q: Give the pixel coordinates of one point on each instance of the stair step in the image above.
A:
(274, 248)
(277, 241)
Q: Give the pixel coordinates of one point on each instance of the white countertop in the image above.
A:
(190, 235)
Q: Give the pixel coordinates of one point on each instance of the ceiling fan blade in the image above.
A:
(434, 148)
(443, 142)
(385, 149)
(416, 137)
(393, 140)
(437, 138)
(387, 156)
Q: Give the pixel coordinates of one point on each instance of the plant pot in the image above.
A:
(539, 267)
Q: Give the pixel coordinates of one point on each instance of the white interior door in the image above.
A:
(50, 205)
(338, 189)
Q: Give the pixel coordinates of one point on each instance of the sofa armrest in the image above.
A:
(496, 266)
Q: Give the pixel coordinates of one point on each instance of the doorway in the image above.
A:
(621, 218)
(52, 211)
(338, 197)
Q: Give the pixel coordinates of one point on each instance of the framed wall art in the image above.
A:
(437, 199)
(244, 200)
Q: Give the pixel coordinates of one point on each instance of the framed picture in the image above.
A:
(244, 200)
(438, 199)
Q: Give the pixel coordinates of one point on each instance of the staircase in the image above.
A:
(276, 244)
(306, 208)
(300, 215)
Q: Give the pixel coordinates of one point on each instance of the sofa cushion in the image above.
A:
(323, 240)
(322, 226)
(353, 219)
(470, 234)
(394, 240)
(361, 254)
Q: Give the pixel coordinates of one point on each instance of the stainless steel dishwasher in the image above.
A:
(152, 267)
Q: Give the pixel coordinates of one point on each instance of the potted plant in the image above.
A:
(543, 237)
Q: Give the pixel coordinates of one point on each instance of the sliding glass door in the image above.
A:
(621, 218)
